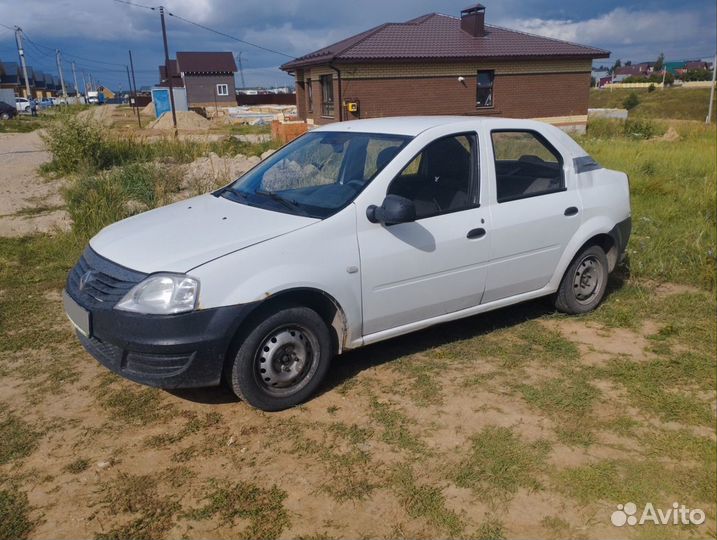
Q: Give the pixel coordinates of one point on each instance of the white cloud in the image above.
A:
(628, 33)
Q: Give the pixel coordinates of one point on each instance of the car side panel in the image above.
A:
(323, 256)
(605, 196)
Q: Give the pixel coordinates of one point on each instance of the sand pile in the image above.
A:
(148, 109)
(185, 120)
(101, 114)
(207, 173)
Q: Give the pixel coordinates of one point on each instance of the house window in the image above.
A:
(327, 95)
(222, 89)
(484, 88)
(309, 95)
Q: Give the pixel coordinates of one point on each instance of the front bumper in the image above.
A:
(176, 351)
(168, 351)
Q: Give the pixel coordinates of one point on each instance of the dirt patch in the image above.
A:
(185, 120)
(28, 202)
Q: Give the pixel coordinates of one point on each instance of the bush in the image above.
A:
(651, 88)
(97, 201)
(605, 128)
(631, 101)
(79, 145)
(640, 129)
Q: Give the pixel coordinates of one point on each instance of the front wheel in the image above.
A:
(584, 283)
(5, 116)
(282, 360)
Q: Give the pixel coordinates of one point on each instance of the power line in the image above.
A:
(229, 36)
(36, 44)
(208, 29)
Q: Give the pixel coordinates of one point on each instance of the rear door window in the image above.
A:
(526, 165)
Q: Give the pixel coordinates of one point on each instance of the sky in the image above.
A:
(97, 34)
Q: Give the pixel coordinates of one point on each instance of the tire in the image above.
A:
(584, 282)
(27, 109)
(5, 116)
(282, 360)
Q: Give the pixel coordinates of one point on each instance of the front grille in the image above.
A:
(97, 282)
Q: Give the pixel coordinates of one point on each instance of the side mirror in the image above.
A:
(395, 209)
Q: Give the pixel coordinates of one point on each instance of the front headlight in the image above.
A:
(162, 294)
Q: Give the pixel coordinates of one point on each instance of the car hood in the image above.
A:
(184, 235)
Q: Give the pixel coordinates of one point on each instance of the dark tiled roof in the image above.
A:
(206, 62)
(439, 37)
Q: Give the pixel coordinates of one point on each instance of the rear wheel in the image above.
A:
(27, 109)
(584, 283)
(282, 360)
(5, 116)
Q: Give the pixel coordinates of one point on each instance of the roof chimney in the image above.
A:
(473, 20)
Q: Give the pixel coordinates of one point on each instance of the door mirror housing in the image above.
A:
(394, 209)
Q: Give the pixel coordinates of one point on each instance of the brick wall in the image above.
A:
(520, 89)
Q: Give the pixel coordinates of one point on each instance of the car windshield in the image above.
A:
(318, 174)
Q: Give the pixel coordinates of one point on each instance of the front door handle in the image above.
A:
(571, 211)
(476, 233)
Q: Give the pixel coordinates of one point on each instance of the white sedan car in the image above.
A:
(354, 233)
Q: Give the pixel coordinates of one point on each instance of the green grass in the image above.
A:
(137, 496)
(129, 403)
(673, 103)
(639, 481)
(263, 508)
(569, 400)
(426, 502)
(18, 439)
(342, 451)
(499, 463)
(77, 466)
(15, 522)
(396, 427)
(674, 202)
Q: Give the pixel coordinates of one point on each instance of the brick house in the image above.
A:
(438, 64)
(208, 78)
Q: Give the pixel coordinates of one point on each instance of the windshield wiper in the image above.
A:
(287, 203)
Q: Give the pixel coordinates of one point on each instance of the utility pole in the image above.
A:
(241, 69)
(712, 91)
(77, 90)
(167, 69)
(129, 86)
(62, 77)
(21, 52)
(134, 90)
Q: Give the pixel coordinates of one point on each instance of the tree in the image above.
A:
(616, 66)
(660, 63)
(628, 63)
(631, 101)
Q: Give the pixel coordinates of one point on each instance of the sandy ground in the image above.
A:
(28, 202)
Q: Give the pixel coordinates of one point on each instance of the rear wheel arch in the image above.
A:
(608, 245)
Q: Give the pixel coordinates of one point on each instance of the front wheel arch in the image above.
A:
(321, 302)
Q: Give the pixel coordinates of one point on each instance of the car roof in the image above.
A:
(413, 125)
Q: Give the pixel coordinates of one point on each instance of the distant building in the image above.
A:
(208, 77)
(437, 64)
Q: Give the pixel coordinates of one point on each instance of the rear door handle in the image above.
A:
(476, 233)
(571, 211)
